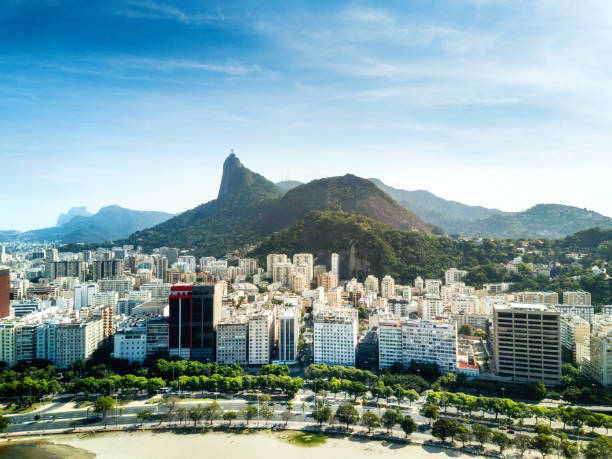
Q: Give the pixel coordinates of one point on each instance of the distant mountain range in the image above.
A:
(108, 224)
(249, 207)
(73, 212)
(552, 221)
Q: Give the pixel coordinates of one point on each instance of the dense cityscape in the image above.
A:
(285, 326)
(270, 229)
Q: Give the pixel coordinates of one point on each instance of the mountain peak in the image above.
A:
(73, 212)
(237, 180)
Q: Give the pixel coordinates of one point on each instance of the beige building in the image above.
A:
(537, 297)
(327, 280)
(371, 284)
(387, 287)
(580, 297)
(232, 340)
(7, 341)
(526, 343)
(575, 332)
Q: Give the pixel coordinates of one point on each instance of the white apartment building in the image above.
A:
(189, 262)
(335, 337)
(599, 364)
(261, 337)
(130, 344)
(7, 342)
(580, 297)
(335, 264)
(583, 311)
(232, 340)
(121, 286)
(404, 341)
(306, 260)
(387, 287)
(46, 341)
(575, 332)
(106, 299)
(418, 284)
(371, 284)
(248, 266)
(431, 307)
(157, 290)
(78, 340)
(83, 296)
(527, 342)
(432, 286)
(25, 342)
(274, 259)
(454, 275)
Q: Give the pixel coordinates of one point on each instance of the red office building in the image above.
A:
(194, 314)
(5, 294)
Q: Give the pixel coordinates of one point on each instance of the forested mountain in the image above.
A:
(249, 207)
(367, 246)
(540, 221)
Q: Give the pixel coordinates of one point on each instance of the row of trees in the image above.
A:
(115, 383)
(467, 404)
(265, 383)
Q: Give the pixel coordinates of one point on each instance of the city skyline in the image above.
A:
(100, 104)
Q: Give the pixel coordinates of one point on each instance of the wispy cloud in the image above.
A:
(154, 10)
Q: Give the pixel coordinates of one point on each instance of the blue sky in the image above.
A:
(137, 102)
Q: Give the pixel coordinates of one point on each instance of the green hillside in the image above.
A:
(367, 246)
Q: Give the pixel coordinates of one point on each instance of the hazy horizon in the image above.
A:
(138, 102)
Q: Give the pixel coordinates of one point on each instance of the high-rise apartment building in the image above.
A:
(194, 314)
(335, 337)
(288, 334)
(577, 298)
(327, 280)
(261, 337)
(431, 307)
(527, 342)
(72, 268)
(387, 287)
(371, 284)
(78, 341)
(537, 297)
(579, 310)
(232, 340)
(107, 269)
(122, 286)
(454, 275)
(83, 296)
(248, 266)
(46, 341)
(405, 341)
(274, 259)
(432, 286)
(157, 335)
(335, 264)
(8, 330)
(161, 267)
(599, 364)
(306, 260)
(575, 332)
(5, 293)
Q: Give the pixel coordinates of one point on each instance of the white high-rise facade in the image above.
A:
(387, 287)
(335, 264)
(261, 337)
(335, 337)
(404, 341)
(83, 295)
(305, 260)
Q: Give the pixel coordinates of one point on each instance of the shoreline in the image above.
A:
(240, 432)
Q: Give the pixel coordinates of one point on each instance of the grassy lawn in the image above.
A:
(307, 440)
(83, 403)
(154, 401)
(11, 408)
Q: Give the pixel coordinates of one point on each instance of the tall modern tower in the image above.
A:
(194, 314)
(5, 294)
(335, 264)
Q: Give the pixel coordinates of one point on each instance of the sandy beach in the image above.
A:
(259, 445)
